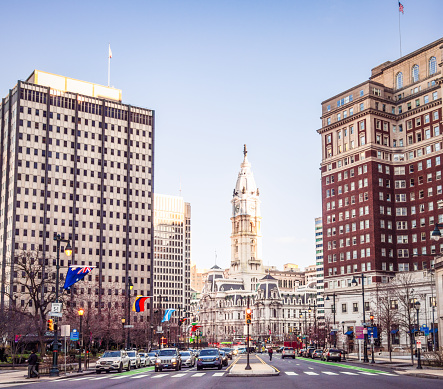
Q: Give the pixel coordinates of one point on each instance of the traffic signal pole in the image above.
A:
(248, 321)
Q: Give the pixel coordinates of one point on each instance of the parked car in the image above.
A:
(143, 359)
(113, 360)
(224, 358)
(301, 352)
(308, 352)
(188, 358)
(317, 354)
(331, 354)
(288, 352)
(228, 351)
(168, 358)
(209, 357)
(135, 359)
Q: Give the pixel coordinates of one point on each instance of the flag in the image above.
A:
(76, 274)
(168, 314)
(110, 52)
(400, 8)
(139, 303)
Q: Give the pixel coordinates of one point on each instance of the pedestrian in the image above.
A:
(270, 351)
(32, 362)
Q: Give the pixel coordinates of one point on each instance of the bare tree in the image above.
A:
(403, 287)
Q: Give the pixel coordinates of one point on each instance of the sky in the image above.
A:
(220, 74)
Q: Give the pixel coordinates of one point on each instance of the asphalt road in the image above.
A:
(298, 373)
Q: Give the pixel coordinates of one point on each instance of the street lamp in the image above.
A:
(54, 372)
(333, 311)
(417, 308)
(343, 329)
(80, 313)
(365, 331)
(436, 234)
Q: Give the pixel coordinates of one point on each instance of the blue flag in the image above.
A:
(76, 274)
(168, 314)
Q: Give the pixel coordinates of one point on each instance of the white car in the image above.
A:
(113, 360)
(135, 359)
(151, 357)
(144, 359)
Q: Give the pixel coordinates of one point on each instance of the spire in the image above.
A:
(245, 181)
(245, 151)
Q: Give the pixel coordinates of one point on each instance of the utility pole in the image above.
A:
(248, 323)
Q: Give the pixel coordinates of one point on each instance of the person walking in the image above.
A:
(32, 362)
(270, 351)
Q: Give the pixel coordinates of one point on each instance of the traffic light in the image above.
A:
(372, 319)
(50, 325)
(248, 315)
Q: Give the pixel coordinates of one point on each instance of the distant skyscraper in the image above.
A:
(172, 252)
(78, 162)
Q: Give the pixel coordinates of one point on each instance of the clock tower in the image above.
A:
(246, 239)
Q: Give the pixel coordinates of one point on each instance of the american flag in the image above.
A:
(400, 8)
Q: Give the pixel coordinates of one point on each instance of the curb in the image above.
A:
(424, 375)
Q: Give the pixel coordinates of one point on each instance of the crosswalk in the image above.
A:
(331, 373)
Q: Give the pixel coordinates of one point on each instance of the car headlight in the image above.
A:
(188, 360)
(173, 360)
(200, 359)
(158, 360)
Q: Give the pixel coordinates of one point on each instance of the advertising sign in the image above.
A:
(359, 332)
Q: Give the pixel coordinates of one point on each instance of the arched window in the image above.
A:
(399, 80)
(432, 66)
(415, 73)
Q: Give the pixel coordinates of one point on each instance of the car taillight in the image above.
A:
(328, 355)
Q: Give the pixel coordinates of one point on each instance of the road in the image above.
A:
(299, 373)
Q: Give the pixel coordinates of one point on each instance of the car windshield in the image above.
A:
(152, 354)
(142, 354)
(166, 353)
(226, 349)
(185, 353)
(111, 354)
(131, 354)
(333, 350)
(222, 352)
(205, 353)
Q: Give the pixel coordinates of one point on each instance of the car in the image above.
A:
(135, 359)
(308, 352)
(188, 358)
(331, 354)
(168, 358)
(242, 350)
(228, 351)
(144, 359)
(151, 357)
(279, 350)
(224, 357)
(317, 353)
(113, 360)
(209, 357)
(288, 352)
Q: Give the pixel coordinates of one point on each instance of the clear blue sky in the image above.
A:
(220, 74)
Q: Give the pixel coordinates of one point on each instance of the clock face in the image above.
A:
(237, 208)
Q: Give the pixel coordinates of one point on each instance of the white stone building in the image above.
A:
(277, 315)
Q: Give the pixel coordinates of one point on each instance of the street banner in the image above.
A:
(139, 303)
(168, 314)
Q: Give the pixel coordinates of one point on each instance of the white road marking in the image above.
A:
(178, 375)
(198, 375)
(140, 376)
(160, 376)
(364, 372)
(394, 375)
(329, 373)
(99, 378)
(218, 374)
(310, 373)
(291, 373)
(118, 378)
(348, 373)
(79, 379)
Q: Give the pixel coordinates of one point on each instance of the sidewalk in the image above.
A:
(401, 366)
(19, 376)
(259, 368)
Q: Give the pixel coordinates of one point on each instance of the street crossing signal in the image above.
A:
(50, 325)
(248, 315)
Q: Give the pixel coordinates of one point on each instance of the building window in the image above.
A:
(399, 80)
(415, 73)
(355, 307)
(432, 66)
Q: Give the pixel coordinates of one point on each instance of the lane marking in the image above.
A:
(79, 379)
(139, 376)
(118, 378)
(160, 376)
(99, 378)
(178, 375)
(365, 372)
(198, 375)
(218, 374)
(348, 373)
(310, 373)
(291, 373)
(394, 375)
(329, 373)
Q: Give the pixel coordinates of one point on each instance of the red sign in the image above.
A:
(359, 332)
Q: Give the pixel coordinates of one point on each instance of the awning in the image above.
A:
(333, 332)
(349, 333)
(394, 331)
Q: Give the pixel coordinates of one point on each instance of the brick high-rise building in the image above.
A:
(76, 161)
(382, 171)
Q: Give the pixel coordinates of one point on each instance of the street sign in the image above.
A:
(56, 307)
(128, 326)
(359, 332)
(418, 344)
(74, 335)
(421, 339)
(56, 314)
(365, 331)
(418, 334)
(372, 331)
(65, 330)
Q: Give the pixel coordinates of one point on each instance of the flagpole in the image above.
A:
(109, 66)
(399, 29)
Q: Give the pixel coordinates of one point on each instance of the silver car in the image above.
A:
(151, 357)
(188, 358)
(168, 358)
(144, 359)
(135, 359)
(113, 360)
